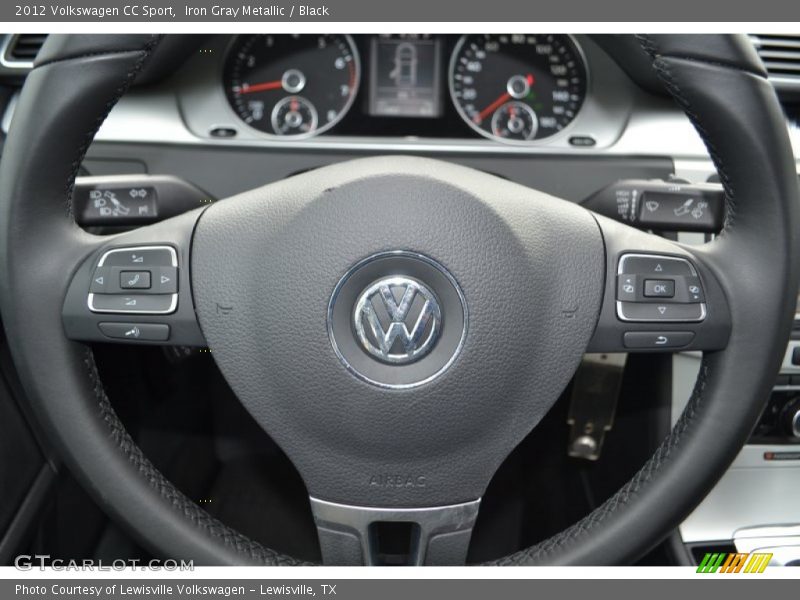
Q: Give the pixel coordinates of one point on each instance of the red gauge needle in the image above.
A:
(497, 103)
(491, 108)
(260, 87)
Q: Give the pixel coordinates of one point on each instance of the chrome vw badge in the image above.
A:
(397, 319)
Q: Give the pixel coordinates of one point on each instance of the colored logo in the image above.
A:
(734, 562)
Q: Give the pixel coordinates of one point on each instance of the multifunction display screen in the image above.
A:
(405, 76)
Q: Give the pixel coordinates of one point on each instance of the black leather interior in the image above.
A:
(717, 80)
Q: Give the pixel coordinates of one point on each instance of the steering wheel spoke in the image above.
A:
(135, 288)
(360, 535)
(659, 296)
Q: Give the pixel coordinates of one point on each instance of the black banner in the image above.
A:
(701, 586)
(505, 11)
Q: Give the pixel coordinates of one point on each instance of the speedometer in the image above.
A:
(517, 88)
(292, 85)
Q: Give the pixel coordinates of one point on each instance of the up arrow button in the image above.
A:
(644, 264)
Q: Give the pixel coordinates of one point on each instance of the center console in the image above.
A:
(759, 492)
(780, 422)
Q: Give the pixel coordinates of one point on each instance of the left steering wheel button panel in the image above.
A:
(135, 280)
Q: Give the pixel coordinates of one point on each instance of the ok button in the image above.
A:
(659, 288)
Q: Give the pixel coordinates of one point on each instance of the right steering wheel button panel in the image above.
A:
(658, 288)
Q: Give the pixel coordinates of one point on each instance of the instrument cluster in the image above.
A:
(516, 88)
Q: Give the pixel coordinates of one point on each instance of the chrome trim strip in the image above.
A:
(172, 252)
(8, 114)
(21, 65)
(787, 366)
(622, 317)
(155, 118)
(782, 541)
(753, 491)
(789, 42)
(173, 305)
(432, 521)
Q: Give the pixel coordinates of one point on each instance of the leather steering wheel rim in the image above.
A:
(75, 83)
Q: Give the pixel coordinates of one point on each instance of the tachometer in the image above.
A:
(292, 85)
(517, 87)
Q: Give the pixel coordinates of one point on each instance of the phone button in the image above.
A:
(134, 280)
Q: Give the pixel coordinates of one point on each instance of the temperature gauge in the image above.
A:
(515, 121)
(293, 116)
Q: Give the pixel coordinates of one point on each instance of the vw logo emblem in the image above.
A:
(386, 319)
(397, 319)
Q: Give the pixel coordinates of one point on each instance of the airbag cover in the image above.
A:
(264, 266)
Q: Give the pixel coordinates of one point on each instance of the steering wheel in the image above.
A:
(396, 324)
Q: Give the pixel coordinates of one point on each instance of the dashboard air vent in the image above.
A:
(21, 49)
(781, 56)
